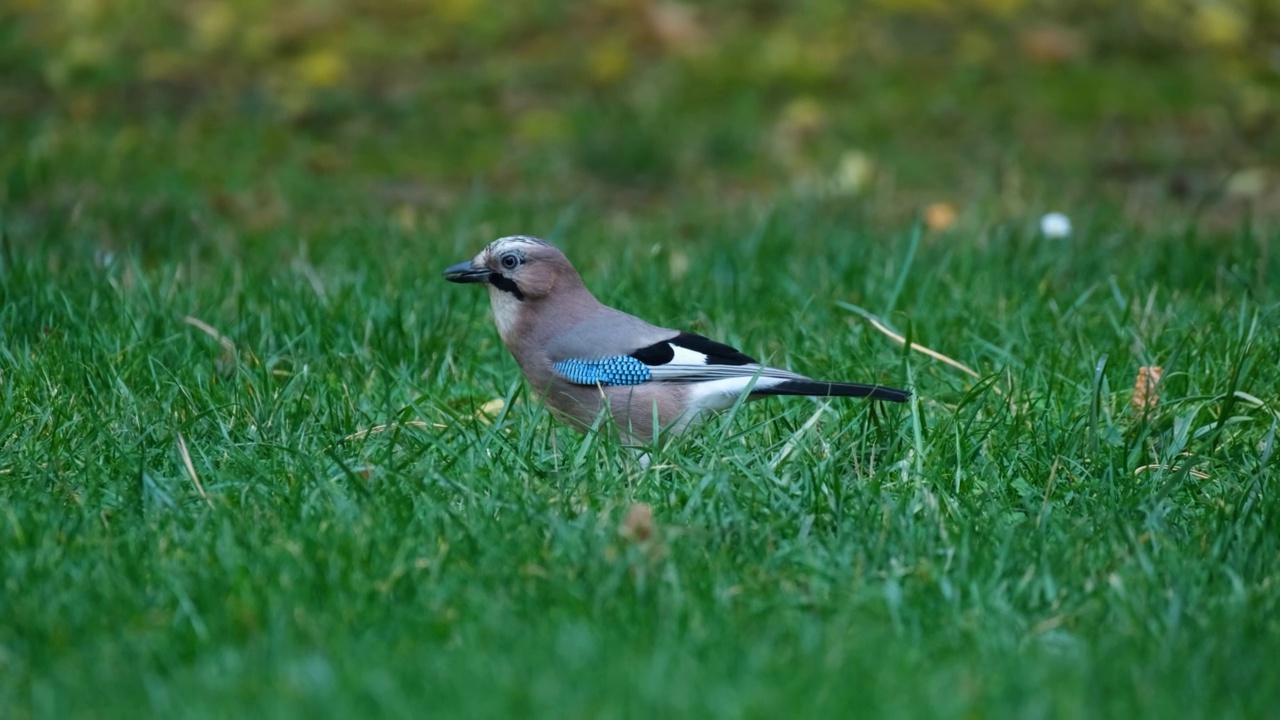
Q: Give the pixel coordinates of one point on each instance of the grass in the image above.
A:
(311, 515)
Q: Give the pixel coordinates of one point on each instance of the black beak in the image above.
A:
(465, 272)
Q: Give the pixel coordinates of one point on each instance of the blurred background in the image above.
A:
(265, 112)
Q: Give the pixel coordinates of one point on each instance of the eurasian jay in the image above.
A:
(582, 357)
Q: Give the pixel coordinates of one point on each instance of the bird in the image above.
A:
(584, 358)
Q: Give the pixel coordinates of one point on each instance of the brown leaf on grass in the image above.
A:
(1051, 44)
(642, 545)
(637, 525)
(676, 26)
(1145, 389)
(939, 216)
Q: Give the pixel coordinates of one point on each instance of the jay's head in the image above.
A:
(525, 267)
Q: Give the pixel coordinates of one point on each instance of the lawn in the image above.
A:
(259, 459)
(275, 481)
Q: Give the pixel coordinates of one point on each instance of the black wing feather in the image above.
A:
(661, 353)
(717, 353)
(820, 388)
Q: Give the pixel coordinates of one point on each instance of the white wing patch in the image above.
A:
(685, 356)
(722, 394)
(690, 366)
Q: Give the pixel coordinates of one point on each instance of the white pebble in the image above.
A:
(1055, 225)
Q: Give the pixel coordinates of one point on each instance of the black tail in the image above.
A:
(834, 389)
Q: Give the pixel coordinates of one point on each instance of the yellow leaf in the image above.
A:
(1003, 8)
(975, 47)
(83, 12)
(540, 126)
(322, 68)
(855, 172)
(492, 408)
(160, 64)
(212, 24)
(457, 11)
(610, 62)
(406, 217)
(1218, 23)
(1247, 183)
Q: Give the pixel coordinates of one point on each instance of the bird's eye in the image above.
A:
(509, 262)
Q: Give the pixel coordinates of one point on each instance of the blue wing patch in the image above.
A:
(616, 370)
